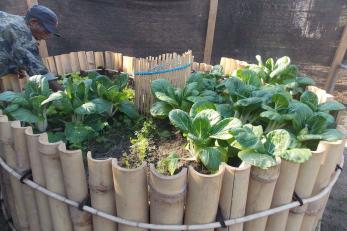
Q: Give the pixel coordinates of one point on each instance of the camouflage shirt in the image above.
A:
(18, 47)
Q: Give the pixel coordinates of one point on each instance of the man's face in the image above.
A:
(38, 31)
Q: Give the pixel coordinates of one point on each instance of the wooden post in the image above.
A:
(210, 31)
(339, 55)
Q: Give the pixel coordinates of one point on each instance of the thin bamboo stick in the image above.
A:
(102, 191)
(55, 183)
(39, 178)
(75, 185)
(22, 165)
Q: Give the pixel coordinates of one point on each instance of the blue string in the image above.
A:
(163, 71)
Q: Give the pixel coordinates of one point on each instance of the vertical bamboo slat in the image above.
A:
(102, 191)
(90, 60)
(55, 183)
(51, 65)
(308, 173)
(233, 195)
(39, 178)
(99, 59)
(283, 194)
(82, 59)
(10, 158)
(75, 65)
(109, 60)
(22, 165)
(59, 65)
(76, 185)
(131, 194)
(5, 138)
(167, 196)
(66, 63)
(203, 196)
(260, 191)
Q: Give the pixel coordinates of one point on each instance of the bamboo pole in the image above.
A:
(90, 60)
(308, 173)
(99, 59)
(203, 196)
(51, 64)
(65, 61)
(82, 59)
(233, 196)
(55, 183)
(38, 177)
(260, 191)
(283, 194)
(167, 196)
(109, 60)
(102, 191)
(76, 185)
(5, 137)
(75, 65)
(22, 165)
(6, 83)
(10, 157)
(131, 198)
(331, 156)
(59, 65)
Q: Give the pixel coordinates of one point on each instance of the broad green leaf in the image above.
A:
(305, 81)
(164, 86)
(281, 100)
(121, 81)
(257, 130)
(222, 128)
(172, 162)
(199, 106)
(180, 119)
(24, 115)
(160, 109)
(9, 96)
(301, 111)
(249, 77)
(270, 64)
(280, 66)
(211, 157)
(260, 160)
(331, 106)
(77, 133)
(53, 97)
(296, 155)
(129, 109)
(97, 105)
(245, 137)
(165, 98)
(190, 89)
(201, 126)
(11, 108)
(277, 141)
(36, 103)
(249, 102)
(212, 115)
(332, 135)
(275, 116)
(317, 124)
(309, 98)
(56, 136)
(225, 110)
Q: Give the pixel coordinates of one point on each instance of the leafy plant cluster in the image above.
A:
(86, 107)
(258, 113)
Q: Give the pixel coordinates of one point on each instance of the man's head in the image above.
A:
(42, 21)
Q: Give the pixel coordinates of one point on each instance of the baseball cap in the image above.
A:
(46, 16)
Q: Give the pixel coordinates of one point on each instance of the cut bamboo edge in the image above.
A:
(119, 220)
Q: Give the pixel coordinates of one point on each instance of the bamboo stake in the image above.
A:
(39, 177)
(260, 191)
(131, 199)
(109, 60)
(4, 138)
(53, 171)
(99, 59)
(90, 60)
(9, 153)
(59, 65)
(22, 165)
(65, 61)
(203, 196)
(51, 63)
(82, 58)
(283, 194)
(303, 187)
(233, 196)
(102, 191)
(75, 65)
(76, 185)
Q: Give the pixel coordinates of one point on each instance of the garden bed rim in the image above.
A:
(165, 177)
(119, 220)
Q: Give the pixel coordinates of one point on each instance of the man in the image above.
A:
(19, 38)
